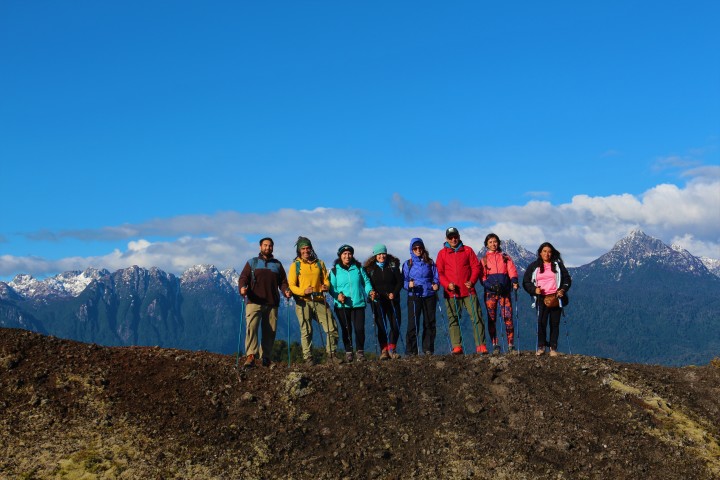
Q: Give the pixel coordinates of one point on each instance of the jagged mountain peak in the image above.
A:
(637, 250)
(520, 255)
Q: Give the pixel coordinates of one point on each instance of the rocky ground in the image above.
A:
(71, 410)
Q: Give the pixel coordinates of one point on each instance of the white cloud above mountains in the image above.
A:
(582, 229)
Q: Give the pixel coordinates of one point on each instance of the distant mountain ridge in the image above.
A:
(659, 294)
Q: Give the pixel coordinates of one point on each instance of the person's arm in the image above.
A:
(512, 272)
(245, 279)
(528, 284)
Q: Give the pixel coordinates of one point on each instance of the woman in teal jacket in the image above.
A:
(349, 286)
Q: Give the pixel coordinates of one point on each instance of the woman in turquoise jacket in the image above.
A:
(349, 286)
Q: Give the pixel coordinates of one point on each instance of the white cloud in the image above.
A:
(582, 230)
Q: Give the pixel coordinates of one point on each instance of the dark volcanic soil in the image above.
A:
(69, 409)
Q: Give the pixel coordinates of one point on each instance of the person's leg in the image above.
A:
(491, 301)
(507, 315)
(253, 315)
(451, 307)
(411, 331)
(542, 325)
(554, 314)
(304, 316)
(357, 316)
(472, 305)
(429, 307)
(269, 329)
(326, 320)
(344, 318)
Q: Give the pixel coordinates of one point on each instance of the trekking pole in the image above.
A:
(384, 319)
(537, 324)
(242, 327)
(516, 323)
(287, 318)
(416, 322)
(349, 326)
(314, 307)
(567, 328)
(447, 323)
(377, 340)
(478, 315)
(397, 325)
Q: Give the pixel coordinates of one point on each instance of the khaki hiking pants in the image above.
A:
(306, 312)
(264, 318)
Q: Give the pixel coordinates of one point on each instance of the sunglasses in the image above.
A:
(417, 248)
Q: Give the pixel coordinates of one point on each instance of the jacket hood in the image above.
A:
(413, 242)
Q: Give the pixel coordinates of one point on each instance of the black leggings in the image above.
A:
(352, 319)
(386, 321)
(553, 315)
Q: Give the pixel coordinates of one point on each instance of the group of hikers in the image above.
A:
(378, 282)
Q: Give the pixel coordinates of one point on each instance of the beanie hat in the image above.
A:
(303, 242)
(379, 248)
(345, 248)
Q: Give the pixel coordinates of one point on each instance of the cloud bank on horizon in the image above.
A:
(582, 229)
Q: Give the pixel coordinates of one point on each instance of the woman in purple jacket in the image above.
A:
(420, 279)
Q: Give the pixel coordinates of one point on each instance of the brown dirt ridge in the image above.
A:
(73, 410)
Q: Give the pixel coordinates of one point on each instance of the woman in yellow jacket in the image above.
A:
(308, 281)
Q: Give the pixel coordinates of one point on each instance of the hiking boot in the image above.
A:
(457, 351)
(428, 353)
(384, 355)
(348, 357)
(496, 350)
(554, 353)
(540, 351)
(481, 349)
(249, 362)
(511, 348)
(335, 358)
(360, 356)
(310, 361)
(393, 353)
(265, 362)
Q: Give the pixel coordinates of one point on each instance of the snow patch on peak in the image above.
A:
(198, 272)
(712, 264)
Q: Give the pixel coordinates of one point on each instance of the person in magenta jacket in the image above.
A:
(499, 278)
(459, 269)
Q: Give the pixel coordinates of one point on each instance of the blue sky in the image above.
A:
(175, 133)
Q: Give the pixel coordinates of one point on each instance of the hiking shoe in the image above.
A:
(554, 353)
(249, 361)
(348, 357)
(360, 356)
(310, 361)
(481, 349)
(265, 362)
(496, 349)
(384, 355)
(393, 353)
(457, 351)
(511, 348)
(540, 351)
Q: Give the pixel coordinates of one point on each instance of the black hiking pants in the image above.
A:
(421, 307)
(545, 315)
(352, 319)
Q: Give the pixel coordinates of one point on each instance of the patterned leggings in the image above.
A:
(491, 303)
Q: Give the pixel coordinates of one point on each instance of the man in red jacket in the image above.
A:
(459, 269)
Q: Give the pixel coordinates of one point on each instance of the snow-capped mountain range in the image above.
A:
(630, 252)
